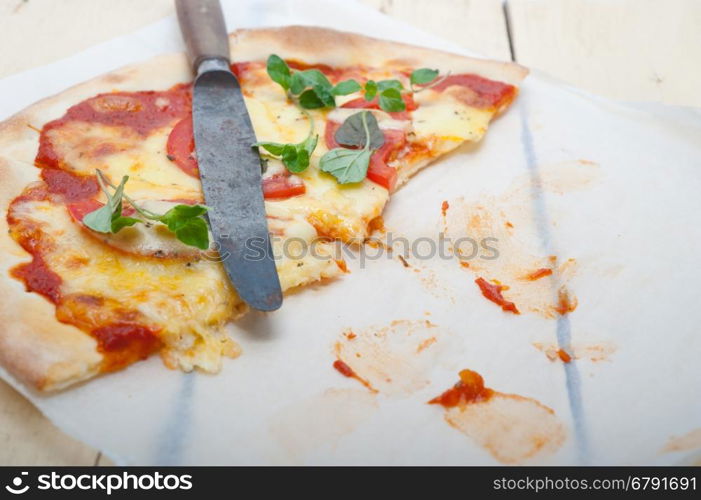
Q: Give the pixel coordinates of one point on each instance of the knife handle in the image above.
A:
(204, 30)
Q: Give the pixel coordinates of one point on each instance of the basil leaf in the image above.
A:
(279, 72)
(298, 162)
(294, 156)
(389, 84)
(188, 211)
(346, 87)
(422, 76)
(391, 100)
(352, 131)
(274, 148)
(309, 144)
(314, 89)
(303, 151)
(120, 222)
(346, 165)
(194, 232)
(99, 220)
(180, 215)
(370, 90)
(310, 100)
(309, 78)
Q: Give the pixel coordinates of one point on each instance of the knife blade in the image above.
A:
(230, 169)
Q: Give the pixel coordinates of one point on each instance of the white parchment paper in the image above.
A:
(635, 233)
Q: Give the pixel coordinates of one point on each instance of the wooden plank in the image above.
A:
(477, 25)
(28, 438)
(634, 50)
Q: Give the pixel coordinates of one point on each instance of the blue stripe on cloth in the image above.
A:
(563, 327)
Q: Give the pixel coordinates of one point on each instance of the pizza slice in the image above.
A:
(106, 248)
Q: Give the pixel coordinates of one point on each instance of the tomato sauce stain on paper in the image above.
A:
(689, 441)
(321, 420)
(395, 359)
(600, 351)
(538, 283)
(510, 427)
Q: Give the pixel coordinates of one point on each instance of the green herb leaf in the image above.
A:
(188, 225)
(346, 87)
(346, 165)
(310, 100)
(279, 72)
(370, 90)
(99, 220)
(193, 232)
(274, 148)
(304, 151)
(389, 84)
(314, 89)
(120, 222)
(294, 156)
(185, 211)
(391, 100)
(423, 76)
(352, 131)
(184, 220)
(351, 165)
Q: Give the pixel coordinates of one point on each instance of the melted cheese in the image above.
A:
(446, 122)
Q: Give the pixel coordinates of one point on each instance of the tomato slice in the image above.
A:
(181, 147)
(378, 171)
(80, 209)
(488, 93)
(281, 186)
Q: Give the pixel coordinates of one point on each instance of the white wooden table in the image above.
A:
(638, 50)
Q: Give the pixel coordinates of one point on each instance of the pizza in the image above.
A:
(106, 253)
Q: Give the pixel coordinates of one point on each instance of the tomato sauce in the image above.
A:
(493, 292)
(564, 356)
(470, 389)
(125, 343)
(343, 368)
(38, 277)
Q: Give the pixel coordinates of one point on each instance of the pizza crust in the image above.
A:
(34, 346)
(48, 355)
(314, 45)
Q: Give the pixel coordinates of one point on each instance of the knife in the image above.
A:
(230, 169)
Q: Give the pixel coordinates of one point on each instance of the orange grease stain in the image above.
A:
(538, 273)
(444, 207)
(565, 303)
